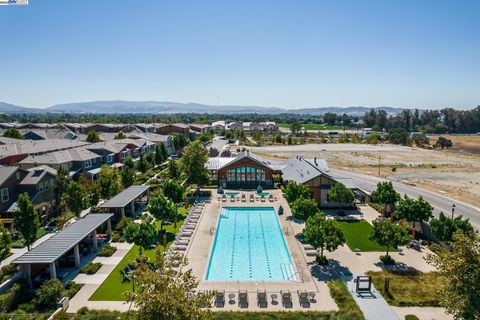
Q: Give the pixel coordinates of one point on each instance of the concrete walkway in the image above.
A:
(92, 282)
(18, 252)
(373, 306)
(423, 313)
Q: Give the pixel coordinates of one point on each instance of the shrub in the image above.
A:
(122, 223)
(6, 272)
(48, 295)
(10, 300)
(386, 259)
(107, 251)
(295, 191)
(71, 288)
(411, 317)
(62, 315)
(91, 268)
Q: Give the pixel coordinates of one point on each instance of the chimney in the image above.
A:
(315, 160)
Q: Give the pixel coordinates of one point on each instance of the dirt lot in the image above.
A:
(454, 172)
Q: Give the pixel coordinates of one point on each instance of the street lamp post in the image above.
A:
(453, 209)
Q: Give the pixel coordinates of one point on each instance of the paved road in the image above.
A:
(218, 143)
(439, 202)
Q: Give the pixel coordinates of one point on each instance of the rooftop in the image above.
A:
(125, 197)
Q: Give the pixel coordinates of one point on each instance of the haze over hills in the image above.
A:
(119, 107)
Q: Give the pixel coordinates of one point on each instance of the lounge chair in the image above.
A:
(262, 198)
(179, 247)
(252, 197)
(232, 199)
(243, 299)
(224, 198)
(286, 299)
(311, 253)
(270, 197)
(244, 199)
(262, 299)
(308, 246)
(220, 299)
(303, 299)
(181, 242)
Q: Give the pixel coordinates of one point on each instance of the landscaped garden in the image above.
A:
(357, 236)
(409, 288)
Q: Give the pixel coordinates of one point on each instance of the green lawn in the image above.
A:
(113, 289)
(357, 235)
(409, 289)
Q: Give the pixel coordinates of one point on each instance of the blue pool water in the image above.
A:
(249, 246)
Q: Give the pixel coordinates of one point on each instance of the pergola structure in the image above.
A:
(126, 200)
(51, 250)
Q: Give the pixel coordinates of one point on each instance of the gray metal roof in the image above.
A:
(59, 244)
(6, 172)
(347, 182)
(124, 197)
(302, 170)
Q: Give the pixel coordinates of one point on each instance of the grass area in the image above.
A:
(113, 288)
(357, 235)
(411, 317)
(409, 289)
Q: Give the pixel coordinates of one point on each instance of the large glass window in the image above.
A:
(246, 174)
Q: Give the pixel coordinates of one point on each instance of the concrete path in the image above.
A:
(92, 282)
(373, 306)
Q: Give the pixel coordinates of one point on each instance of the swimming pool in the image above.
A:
(231, 194)
(249, 246)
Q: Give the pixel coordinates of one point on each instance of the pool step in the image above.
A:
(288, 272)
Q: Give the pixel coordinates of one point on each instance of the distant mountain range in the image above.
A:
(123, 107)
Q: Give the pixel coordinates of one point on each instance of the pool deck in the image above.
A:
(198, 254)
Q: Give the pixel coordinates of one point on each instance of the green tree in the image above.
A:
(159, 158)
(294, 191)
(278, 139)
(303, 208)
(13, 133)
(295, 126)
(460, 293)
(142, 164)
(93, 137)
(47, 296)
(163, 151)
(341, 195)
(94, 193)
(413, 210)
(60, 187)
(120, 136)
(323, 234)
(168, 291)
(443, 227)
(385, 194)
(398, 136)
(143, 235)
(173, 170)
(173, 190)
(179, 141)
(110, 182)
(420, 140)
(192, 164)
(389, 235)
(128, 176)
(77, 197)
(443, 143)
(162, 208)
(5, 242)
(26, 220)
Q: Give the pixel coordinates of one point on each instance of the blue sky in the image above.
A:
(291, 54)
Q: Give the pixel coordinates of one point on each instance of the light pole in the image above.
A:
(453, 209)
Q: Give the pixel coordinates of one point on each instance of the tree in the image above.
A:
(128, 176)
(390, 235)
(163, 151)
(76, 197)
(278, 139)
(48, 294)
(398, 136)
(304, 208)
(110, 182)
(93, 137)
(295, 126)
(192, 164)
(341, 195)
(420, 140)
(5, 242)
(120, 136)
(159, 156)
(443, 143)
(143, 235)
(460, 292)
(162, 208)
(323, 234)
(94, 193)
(173, 171)
(443, 227)
(180, 141)
(13, 133)
(385, 194)
(60, 187)
(168, 291)
(413, 210)
(294, 191)
(173, 190)
(142, 164)
(26, 220)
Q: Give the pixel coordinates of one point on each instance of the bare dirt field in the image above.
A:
(454, 172)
